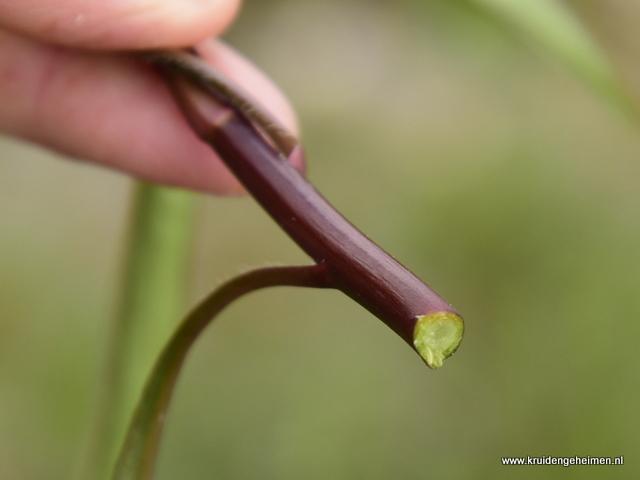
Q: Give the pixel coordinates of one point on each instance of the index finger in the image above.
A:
(118, 24)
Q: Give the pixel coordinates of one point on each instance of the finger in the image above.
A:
(118, 24)
(116, 111)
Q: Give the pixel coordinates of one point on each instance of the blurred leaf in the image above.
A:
(553, 27)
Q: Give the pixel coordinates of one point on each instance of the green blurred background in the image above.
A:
(490, 170)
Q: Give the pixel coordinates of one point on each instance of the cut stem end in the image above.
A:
(437, 336)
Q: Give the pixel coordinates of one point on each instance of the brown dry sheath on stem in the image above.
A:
(354, 264)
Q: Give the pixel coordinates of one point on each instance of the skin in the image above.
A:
(65, 83)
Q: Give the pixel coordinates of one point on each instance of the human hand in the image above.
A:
(65, 83)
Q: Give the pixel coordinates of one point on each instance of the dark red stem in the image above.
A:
(355, 265)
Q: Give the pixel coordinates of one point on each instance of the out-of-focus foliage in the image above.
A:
(614, 22)
(555, 29)
(500, 179)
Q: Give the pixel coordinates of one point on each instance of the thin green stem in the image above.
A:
(150, 302)
(138, 455)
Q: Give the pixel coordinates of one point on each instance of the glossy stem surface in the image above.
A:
(357, 266)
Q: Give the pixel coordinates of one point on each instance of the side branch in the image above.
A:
(138, 455)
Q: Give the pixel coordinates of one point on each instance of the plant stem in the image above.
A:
(151, 300)
(139, 452)
(356, 265)
(345, 258)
